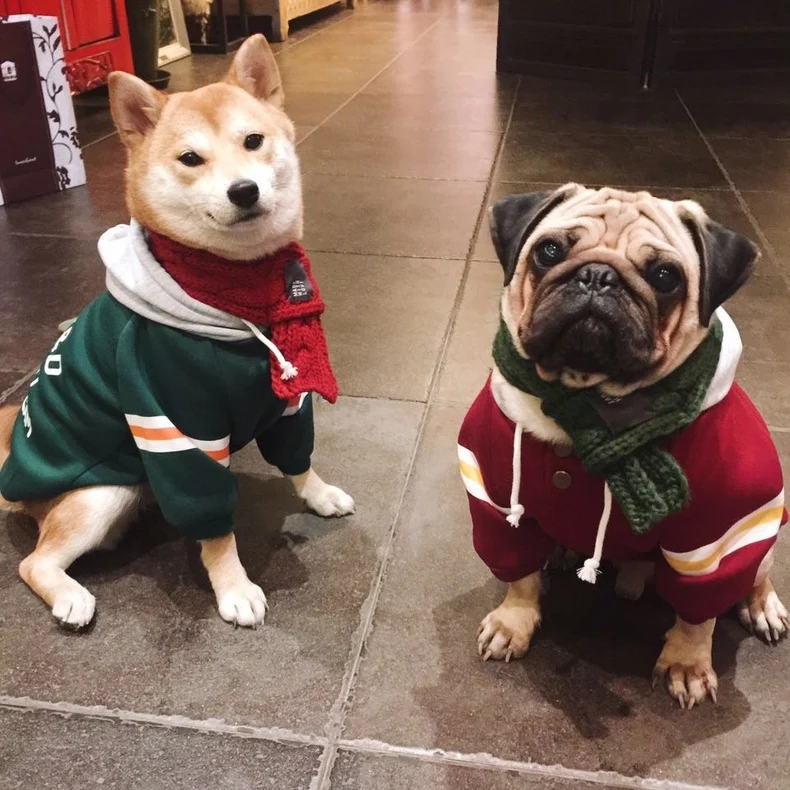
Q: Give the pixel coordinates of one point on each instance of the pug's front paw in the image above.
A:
(506, 632)
(685, 664)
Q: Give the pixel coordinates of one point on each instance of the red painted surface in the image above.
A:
(94, 20)
(95, 36)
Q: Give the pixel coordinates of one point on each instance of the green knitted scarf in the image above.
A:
(622, 440)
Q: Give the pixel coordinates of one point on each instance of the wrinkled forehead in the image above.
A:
(635, 224)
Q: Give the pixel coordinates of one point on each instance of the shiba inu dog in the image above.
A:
(207, 338)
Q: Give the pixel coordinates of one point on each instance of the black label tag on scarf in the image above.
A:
(621, 414)
(297, 286)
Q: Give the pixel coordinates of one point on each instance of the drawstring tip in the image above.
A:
(589, 572)
(514, 517)
(289, 371)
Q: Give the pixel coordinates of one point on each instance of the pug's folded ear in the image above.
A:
(513, 219)
(726, 261)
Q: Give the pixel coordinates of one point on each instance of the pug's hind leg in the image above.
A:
(506, 632)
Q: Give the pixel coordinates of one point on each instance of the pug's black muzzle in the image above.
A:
(592, 323)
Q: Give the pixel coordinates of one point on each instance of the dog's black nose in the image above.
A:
(243, 193)
(597, 277)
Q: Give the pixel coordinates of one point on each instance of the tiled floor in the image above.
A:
(365, 676)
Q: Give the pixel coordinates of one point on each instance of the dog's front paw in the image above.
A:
(329, 501)
(764, 615)
(686, 665)
(74, 607)
(688, 683)
(506, 632)
(243, 604)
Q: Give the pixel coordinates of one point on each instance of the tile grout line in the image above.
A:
(286, 737)
(322, 780)
(339, 710)
(481, 214)
(497, 764)
(370, 81)
(214, 726)
(744, 206)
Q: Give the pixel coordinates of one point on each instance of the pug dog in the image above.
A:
(611, 425)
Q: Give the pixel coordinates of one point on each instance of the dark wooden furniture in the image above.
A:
(645, 42)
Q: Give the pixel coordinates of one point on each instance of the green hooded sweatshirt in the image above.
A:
(151, 386)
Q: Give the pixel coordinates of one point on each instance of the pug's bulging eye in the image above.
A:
(252, 142)
(549, 252)
(191, 159)
(664, 277)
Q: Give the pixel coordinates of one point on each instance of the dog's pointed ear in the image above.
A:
(135, 106)
(512, 220)
(255, 69)
(726, 260)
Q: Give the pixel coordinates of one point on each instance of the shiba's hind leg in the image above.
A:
(69, 527)
(7, 419)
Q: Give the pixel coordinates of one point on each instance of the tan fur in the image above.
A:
(190, 205)
(686, 663)
(7, 419)
(507, 631)
(625, 230)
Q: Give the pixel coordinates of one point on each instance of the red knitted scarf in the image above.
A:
(277, 292)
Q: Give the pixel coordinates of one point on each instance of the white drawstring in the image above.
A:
(289, 370)
(516, 508)
(591, 568)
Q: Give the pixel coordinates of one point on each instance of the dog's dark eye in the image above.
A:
(191, 159)
(252, 142)
(664, 277)
(549, 252)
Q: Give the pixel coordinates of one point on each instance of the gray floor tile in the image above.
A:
(760, 312)
(771, 209)
(763, 166)
(618, 160)
(50, 752)
(767, 384)
(50, 280)
(311, 108)
(413, 75)
(386, 321)
(582, 695)
(367, 772)
(386, 111)
(468, 361)
(403, 153)
(388, 216)
(593, 115)
(740, 120)
(158, 644)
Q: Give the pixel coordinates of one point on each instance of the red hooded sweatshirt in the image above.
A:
(706, 556)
